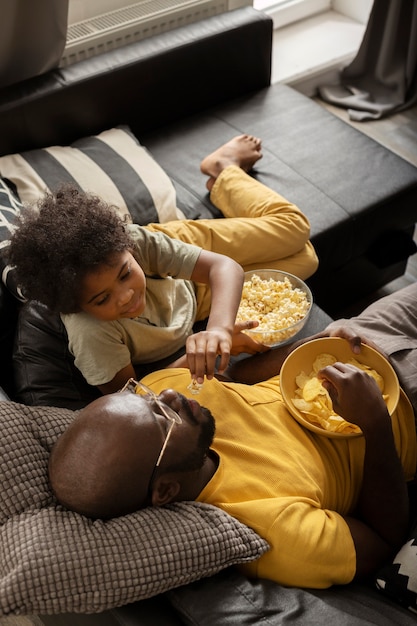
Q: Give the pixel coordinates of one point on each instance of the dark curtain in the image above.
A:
(382, 79)
(32, 37)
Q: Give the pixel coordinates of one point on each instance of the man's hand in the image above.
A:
(265, 364)
(355, 396)
(347, 333)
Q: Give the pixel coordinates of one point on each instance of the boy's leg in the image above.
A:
(264, 230)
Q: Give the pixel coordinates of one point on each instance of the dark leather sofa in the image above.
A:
(184, 93)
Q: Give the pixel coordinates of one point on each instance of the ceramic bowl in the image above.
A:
(302, 359)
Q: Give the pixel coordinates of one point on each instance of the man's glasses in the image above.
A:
(172, 416)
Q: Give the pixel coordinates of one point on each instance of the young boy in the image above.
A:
(129, 294)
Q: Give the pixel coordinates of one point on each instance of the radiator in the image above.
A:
(137, 21)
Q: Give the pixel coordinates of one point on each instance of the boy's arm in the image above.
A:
(225, 278)
(118, 381)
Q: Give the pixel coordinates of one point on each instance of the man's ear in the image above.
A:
(164, 490)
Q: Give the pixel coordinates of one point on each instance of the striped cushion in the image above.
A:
(112, 165)
(10, 207)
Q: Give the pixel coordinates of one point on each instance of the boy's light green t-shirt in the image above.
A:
(101, 349)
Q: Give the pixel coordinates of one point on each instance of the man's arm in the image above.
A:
(259, 367)
(379, 524)
(262, 366)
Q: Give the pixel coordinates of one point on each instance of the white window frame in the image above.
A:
(284, 12)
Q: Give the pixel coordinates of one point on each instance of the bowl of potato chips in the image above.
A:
(281, 302)
(309, 402)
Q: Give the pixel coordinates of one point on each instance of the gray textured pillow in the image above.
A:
(56, 561)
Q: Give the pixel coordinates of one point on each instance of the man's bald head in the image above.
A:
(101, 465)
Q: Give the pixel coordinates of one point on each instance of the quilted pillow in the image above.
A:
(398, 580)
(112, 165)
(56, 561)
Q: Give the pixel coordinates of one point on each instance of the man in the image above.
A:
(332, 510)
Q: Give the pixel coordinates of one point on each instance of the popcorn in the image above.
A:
(276, 304)
(195, 387)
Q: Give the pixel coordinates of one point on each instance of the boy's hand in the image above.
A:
(204, 347)
(242, 342)
(202, 351)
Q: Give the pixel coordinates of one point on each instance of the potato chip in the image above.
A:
(302, 405)
(312, 388)
(323, 360)
(301, 379)
(378, 378)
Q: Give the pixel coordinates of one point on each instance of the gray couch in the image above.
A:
(183, 93)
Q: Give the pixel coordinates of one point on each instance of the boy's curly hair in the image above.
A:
(68, 234)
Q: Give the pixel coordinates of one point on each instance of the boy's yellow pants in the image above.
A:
(264, 230)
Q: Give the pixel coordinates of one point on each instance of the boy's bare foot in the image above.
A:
(243, 151)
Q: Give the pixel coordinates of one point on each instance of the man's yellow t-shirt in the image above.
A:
(289, 484)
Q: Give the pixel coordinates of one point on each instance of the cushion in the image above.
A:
(10, 207)
(398, 580)
(56, 561)
(112, 165)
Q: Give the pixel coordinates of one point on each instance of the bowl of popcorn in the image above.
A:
(279, 301)
(309, 402)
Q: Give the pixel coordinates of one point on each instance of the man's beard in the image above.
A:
(195, 460)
